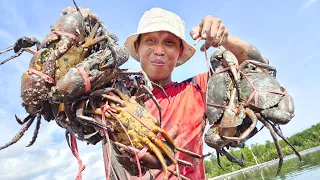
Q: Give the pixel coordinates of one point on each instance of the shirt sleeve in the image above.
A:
(202, 81)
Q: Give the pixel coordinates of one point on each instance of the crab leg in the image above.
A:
(149, 158)
(285, 140)
(176, 174)
(7, 49)
(115, 99)
(154, 100)
(229, 157)
(17, 54)
(18, 136)
(276, 142)
(166, 151)
(159, 155)
(36, 131)
(25, 119)
(173, 144)
(260, 64)
(232, 158)
(282, 137)
(91, 120)
(109, 39)
(161, 89)
(218, 159)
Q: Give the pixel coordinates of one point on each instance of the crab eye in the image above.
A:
(77, 32)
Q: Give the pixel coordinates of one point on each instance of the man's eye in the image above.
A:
(170, 42)
(150, 40)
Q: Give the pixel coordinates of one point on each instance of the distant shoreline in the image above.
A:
(262, 165)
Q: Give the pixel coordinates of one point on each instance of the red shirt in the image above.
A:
(183, 120)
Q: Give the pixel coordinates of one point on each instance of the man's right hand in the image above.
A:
(147, 159)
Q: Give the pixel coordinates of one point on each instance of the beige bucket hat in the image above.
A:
(157, 19)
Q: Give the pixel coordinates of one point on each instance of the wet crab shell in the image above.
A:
(263, 82)
(218, 91)
(72, 23)
(34, 88)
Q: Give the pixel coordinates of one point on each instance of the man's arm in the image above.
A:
(215, 34)
(243, 50)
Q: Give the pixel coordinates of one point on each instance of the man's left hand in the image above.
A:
(212, 30)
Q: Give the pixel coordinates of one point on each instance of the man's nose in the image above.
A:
(159, 50)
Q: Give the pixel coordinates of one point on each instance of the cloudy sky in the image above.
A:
(287, 32)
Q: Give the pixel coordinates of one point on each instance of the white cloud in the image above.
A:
(48, 159)
(306, 5)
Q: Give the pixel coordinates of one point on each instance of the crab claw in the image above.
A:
(230, 60)
(22, 44)
(227, 59)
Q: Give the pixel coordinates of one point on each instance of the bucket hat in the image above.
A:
(158, 19)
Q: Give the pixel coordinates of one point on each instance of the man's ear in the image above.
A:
(181, 51)
(136, 47)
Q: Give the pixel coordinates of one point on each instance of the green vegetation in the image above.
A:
(301, 141)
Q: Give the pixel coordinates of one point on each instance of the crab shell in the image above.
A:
(262, 82)
(219, 89)
(72, 23)
(72, 84)
(34, 89)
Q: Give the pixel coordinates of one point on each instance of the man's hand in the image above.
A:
(147, 159)
(86, 13)
(212, 30)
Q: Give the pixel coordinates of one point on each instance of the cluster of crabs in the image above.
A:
(74, 78)
(240, 95)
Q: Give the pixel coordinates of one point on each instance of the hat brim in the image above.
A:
(188, 50)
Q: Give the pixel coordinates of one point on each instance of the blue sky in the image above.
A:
(287, 32)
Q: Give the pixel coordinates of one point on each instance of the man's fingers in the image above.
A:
(195, 32)
(205, 29)
(219, 36)
(149, 160)
(212, 30)
(224, 38)
(207, 44)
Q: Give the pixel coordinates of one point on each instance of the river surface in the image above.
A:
(307, 169)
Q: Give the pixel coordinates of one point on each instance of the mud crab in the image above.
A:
(65, 46)
(249, 90)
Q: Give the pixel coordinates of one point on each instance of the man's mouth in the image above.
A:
(158, 62)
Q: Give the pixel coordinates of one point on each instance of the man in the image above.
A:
(160, 46)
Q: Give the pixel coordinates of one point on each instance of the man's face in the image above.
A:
(158, 53)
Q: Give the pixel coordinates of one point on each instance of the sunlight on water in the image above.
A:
(307, 169)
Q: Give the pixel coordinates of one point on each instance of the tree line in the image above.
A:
(263, 152)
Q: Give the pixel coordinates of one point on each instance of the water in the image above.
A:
(307, 169)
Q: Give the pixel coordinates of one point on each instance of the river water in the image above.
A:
(307, 169)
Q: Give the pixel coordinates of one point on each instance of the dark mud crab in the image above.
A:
(65, 46)
(250, 92)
